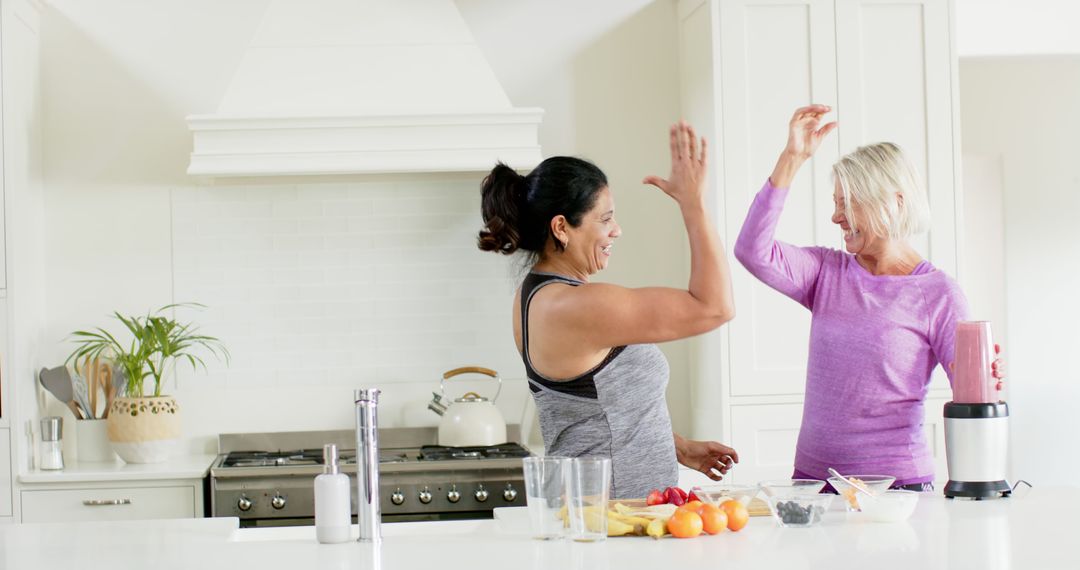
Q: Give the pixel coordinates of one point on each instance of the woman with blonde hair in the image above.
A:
(882, 316)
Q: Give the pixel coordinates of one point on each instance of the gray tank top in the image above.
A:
(618, 409)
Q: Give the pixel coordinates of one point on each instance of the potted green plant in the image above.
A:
(144, 428)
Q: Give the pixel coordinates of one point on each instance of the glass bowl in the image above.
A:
(797, 502)
(894, 505)
(876, 484)
(717, 494)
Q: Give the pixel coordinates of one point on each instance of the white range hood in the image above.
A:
(362, 87)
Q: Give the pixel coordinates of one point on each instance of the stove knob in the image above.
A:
(278, 502)
(453, 496)
(509, 494)
(481, 494)
(397, 497)
(244, 504)
(425, 496)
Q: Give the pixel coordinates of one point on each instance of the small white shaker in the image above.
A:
(332, 517)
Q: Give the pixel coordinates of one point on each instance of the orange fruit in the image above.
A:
(693, 506)
(684, 524)
(737, 515)
(714, 519)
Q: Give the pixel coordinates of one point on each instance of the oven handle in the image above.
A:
(106, 502)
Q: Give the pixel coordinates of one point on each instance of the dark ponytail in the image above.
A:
(518, 209)
(501, 197)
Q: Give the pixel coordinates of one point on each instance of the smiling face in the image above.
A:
(589, 245)
(857, 236)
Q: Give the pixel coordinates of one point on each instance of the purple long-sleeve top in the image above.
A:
(874, 341)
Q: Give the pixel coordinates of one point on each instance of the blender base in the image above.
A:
(977, 490)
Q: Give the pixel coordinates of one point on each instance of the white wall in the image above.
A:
(1022, 112)
(125, 223)
(1016, 27)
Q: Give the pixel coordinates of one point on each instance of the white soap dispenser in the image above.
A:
(332, 517)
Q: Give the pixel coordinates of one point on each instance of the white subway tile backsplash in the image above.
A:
(294, 209)
(344, 283)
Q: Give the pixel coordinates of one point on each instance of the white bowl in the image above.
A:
(894, 505)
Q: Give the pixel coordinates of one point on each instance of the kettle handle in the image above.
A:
(471, 370)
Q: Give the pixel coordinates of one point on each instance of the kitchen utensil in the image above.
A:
(82, 394)
(973, 379)
(545, 494)
(58, 382)
(587, 490)
(976, 421)
(470, 420)
(90, 373)
(105, 381)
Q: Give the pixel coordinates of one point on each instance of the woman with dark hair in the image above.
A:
(596, 377)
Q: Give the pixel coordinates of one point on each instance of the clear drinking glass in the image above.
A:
(545, 493)
(587, 490)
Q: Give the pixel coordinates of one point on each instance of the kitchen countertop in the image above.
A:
(180, 467)
(1022, 532)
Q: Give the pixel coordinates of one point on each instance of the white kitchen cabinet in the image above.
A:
(888, 69)
(5, 473)
(764, 436)
(109, 501)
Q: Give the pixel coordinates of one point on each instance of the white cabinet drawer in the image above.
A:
(105, 504)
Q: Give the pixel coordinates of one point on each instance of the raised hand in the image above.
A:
(805, 132)
(686, 183)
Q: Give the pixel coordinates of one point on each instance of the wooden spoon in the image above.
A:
(90, 372)
(105, 380)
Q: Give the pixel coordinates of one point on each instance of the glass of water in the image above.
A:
(587, 489)
(545, 494)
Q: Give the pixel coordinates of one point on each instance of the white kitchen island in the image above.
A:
(1034, 531)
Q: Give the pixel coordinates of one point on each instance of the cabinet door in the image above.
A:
(775, 57)
(101, 504)
(765, 437)
(5, 473)
(895, 69)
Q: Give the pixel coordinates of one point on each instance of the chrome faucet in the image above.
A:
(368, 514)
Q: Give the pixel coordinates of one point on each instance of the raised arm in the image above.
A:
(609, 315)
(789, 269)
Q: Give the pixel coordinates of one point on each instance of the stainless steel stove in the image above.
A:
(267, 479)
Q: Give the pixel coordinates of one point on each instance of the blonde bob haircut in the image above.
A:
(881, 180)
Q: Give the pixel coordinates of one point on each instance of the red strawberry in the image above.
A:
(673, 497)
(655, 498)
(681, 493)
(693, 497)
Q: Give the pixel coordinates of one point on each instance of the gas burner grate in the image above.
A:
(501, 451)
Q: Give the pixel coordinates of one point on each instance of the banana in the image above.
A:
(657, 528)
(618, 528)
(618, 522)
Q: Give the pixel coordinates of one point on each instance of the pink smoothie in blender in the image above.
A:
(973, 379)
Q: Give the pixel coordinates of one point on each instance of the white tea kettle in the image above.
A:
(471, 420)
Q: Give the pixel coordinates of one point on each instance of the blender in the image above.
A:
(976, 420)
